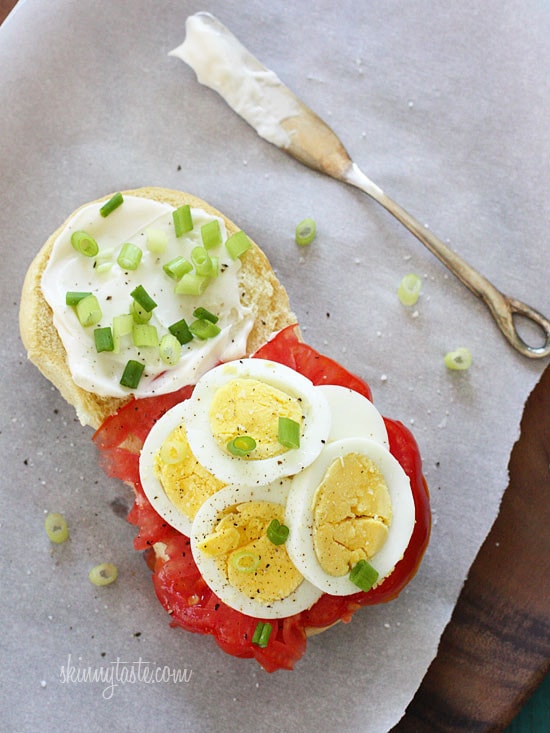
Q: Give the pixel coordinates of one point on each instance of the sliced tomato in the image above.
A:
(177, 580)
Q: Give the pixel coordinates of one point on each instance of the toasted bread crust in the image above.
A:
(261, 291)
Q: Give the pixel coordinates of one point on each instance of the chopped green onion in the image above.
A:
(139, 314)
(173, 451)
(129, 256)
(104, 260)
(237, 244)
(183, 221)
(261, 635)
(144, 334)
(409, 289)
(181, 331)
(103, 574)
(363, 575)
(103, 338)
(177, 268)
(56, 528)
(305, 232)
(141, 296)
(103, 267)
(459, 359)
(112, 204)
(122, 326)
(211, 234)
(170, 349)
(132, 374)
(157, 240)
(288, 432)
(277, 532)
(201, 260)
(206, 314)
(84, 243)
(72, 297)
(88, 311)
(245, 561)
(204, 329)
(192, 284)
(241, 446)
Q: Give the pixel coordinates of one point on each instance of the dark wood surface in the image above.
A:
(496, 649)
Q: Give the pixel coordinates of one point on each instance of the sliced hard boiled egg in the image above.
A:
(353, 415)
(239, 404)
(353, 503)
(239, 562)
(173, 480)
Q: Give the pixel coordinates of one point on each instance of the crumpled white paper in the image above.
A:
(446, 108)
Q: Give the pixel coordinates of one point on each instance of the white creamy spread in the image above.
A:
(222, 63)
(69, 270)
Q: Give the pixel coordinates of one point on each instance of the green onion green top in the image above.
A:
(113, 203)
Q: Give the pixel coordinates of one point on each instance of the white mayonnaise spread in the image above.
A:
(222, 63)
(69, 270)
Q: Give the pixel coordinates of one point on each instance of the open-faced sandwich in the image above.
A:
(272, 498)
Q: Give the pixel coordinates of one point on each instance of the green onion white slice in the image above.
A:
(409, 289)
(103, 574)
(458, 360)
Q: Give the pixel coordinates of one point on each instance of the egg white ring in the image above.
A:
(204, 523)
(299, 515)
(353, 415)
(233, 469)
(152, 487)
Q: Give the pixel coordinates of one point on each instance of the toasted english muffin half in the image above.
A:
(260, 291)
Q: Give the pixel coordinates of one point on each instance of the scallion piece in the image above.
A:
(181, 331)
(144, 335)
(177, 268)
(139, 314)
(129, 256)
(132, 374)
(88, 311)
(201, 261)
(84, 243)
(211, 234)
(170, 349)
(201, 312)
(288, 432)
(142, 297)
(122, 326)
(237, 244)
(245, 561)
(192, 284)
(409, 289)
(363, 575)
(113, 203)
(261, 635)
(305, 232)
(56, 528)
(103, 574)
(277, 533)
(203, 329)
(157, 240)
(241, 446)
(183, 221)
(460, 359)
(72, 297)
(103, 338)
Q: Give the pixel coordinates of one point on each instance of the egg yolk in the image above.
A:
(352, 512)
(250, 561)
(251, 407)
(185, 481)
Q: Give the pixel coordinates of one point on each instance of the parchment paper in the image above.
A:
(446, 107)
